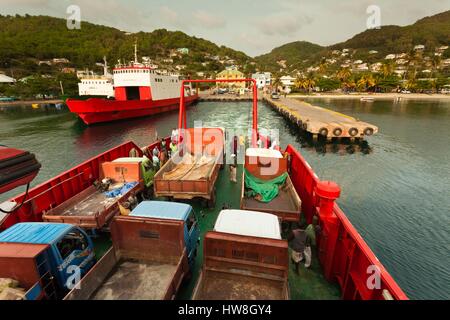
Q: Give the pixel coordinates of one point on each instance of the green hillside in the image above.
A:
(294, 53)
(431, 31)
(26, 39)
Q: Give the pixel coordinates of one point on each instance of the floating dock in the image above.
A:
(320, 121)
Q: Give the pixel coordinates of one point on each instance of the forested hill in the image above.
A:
(432, 32)
(25, 39)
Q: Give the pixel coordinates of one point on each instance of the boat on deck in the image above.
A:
(341, 264)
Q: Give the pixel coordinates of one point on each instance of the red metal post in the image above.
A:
(182, 118)
(327, 192)
(181, 111)
(255, 114)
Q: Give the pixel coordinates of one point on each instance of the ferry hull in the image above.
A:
(97, 110)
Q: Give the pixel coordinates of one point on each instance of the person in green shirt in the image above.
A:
(173, 148)
(311, 230)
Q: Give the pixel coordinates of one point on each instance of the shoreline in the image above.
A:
(29, 102)
(375, 96)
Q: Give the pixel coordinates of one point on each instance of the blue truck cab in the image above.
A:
(69, 249)
(173, 211)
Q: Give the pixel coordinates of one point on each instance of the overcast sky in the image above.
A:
(252, 26)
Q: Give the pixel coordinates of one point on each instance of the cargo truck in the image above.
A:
(192, 172)
(153, 250)
(244, 258)
(263, 165)
(45, 258)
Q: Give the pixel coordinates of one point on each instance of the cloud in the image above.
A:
(168, 14)
(283, 24)
(29, 3)
(208, 20)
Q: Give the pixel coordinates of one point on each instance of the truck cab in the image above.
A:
(174, 211)
(66, 250)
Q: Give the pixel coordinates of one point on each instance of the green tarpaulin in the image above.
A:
(268, 189)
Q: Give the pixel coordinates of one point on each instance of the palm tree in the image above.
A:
(361, 84)
(349, 83)
(365, 82)
(276, 82)
(310, 82)
(323, 66)
(411, 83)
(387, 70)
(300, 83)
(436, 61)
(343, 74)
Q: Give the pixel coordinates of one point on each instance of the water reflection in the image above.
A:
(394, 196)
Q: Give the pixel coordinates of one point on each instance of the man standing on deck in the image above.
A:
(299, 251)
(233, 169)
(311, 230)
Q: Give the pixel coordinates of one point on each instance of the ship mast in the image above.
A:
(105, 66)
(135, 52)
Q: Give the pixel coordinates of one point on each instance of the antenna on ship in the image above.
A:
(135, 52)
(105, 66)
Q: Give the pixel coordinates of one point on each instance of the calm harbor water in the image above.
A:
(395, 190)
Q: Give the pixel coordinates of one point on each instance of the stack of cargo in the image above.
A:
(10, 290)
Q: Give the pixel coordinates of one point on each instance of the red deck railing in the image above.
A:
(64, 186)
(344, 255)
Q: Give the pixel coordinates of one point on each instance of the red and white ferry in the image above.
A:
(139, 90)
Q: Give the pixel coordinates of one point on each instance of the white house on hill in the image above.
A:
(5, 79)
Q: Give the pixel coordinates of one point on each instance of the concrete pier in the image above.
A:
(320, 121)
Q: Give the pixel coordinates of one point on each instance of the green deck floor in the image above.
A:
(311, 283)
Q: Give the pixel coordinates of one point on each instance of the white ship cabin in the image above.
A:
(140, 81)
(96, 86)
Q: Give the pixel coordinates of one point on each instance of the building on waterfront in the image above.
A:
(229, 74)
(287, 82)
(263, 79)
(5, 79)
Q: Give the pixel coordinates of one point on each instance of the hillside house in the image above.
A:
(183, 50)
(60, 60)
(263, 79)
(5, 79)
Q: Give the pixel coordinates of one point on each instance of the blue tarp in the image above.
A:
(120, 191)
